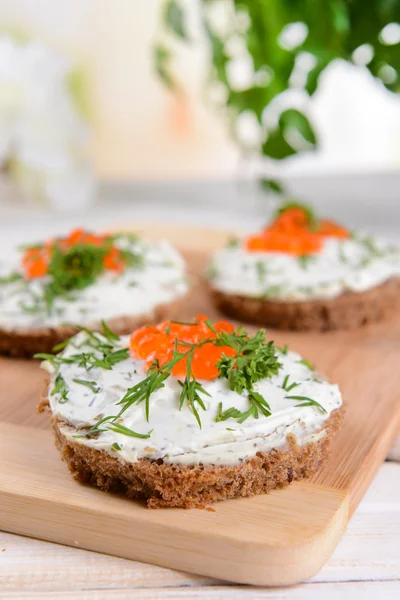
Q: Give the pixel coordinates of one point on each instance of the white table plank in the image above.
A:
(390, 590)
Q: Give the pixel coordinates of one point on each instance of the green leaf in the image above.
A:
(341, 21)
(272, 185)
(294, 119)
(174, 18)
(276, 146)
(162, 64)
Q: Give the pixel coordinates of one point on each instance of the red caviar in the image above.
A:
(293, 233)
(35, 260)
(158, 343)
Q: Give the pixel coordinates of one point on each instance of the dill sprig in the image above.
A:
(306, 363)
(254, 359)
(287, 387)
(256, 404)
(305, 260)
(306, 401)
(76, 268)
(89, 384)
(11, 278)
(60, 388)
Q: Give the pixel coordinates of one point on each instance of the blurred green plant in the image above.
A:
(361, 31)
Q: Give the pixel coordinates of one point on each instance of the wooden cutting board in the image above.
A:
(276, 539)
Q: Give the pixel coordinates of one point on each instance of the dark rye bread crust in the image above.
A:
(25, 343)
(347, 311)
(163, 484)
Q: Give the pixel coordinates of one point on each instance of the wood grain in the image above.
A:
(390, 590)
(369, 551)
(276, 539)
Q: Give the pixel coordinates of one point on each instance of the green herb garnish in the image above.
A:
(305, 260)
(60, 388)
(89, 384)
(306, 401)
(233, 242)
(306, 363)
(11, 278)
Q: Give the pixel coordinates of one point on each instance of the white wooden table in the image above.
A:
(366, 563)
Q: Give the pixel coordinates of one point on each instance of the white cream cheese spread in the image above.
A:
(158, 279)
(356, 265)
(89, 394)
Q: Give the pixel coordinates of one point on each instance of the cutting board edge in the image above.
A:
(244, 561)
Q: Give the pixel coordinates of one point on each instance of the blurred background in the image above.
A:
(201, 102)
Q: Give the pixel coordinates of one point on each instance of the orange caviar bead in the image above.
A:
(113, 261)
(291, 233)
(158, 343)
(331, 229)
(76, 236)
(35, 261)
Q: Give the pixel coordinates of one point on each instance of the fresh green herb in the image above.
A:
(291, 386)
(33, 308)
(233, 242)
(257, 404)
(132, 259)
(287, 387)
(370, 244)
(89, 384)
(108, 334)
(109, 355)
(118, 428)
(306, 363)
(190, 394)
(210, 325)
(129, 236)
(11, 278)
(111, 425)
(272, 291)
(254, 359)
(61, 346)
(229, 413)
(116, 446)
(60, 388)
(306, 401)
(75, 268)
(342, 255)
(229, 429)
(284, 350)
(261, 271)
(305, 260)
(168, 329)
(364, 262)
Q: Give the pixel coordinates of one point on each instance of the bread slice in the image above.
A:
(24, 343)
(161, 484)
(347, 311)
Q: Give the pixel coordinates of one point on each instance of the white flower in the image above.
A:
(41, 130)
